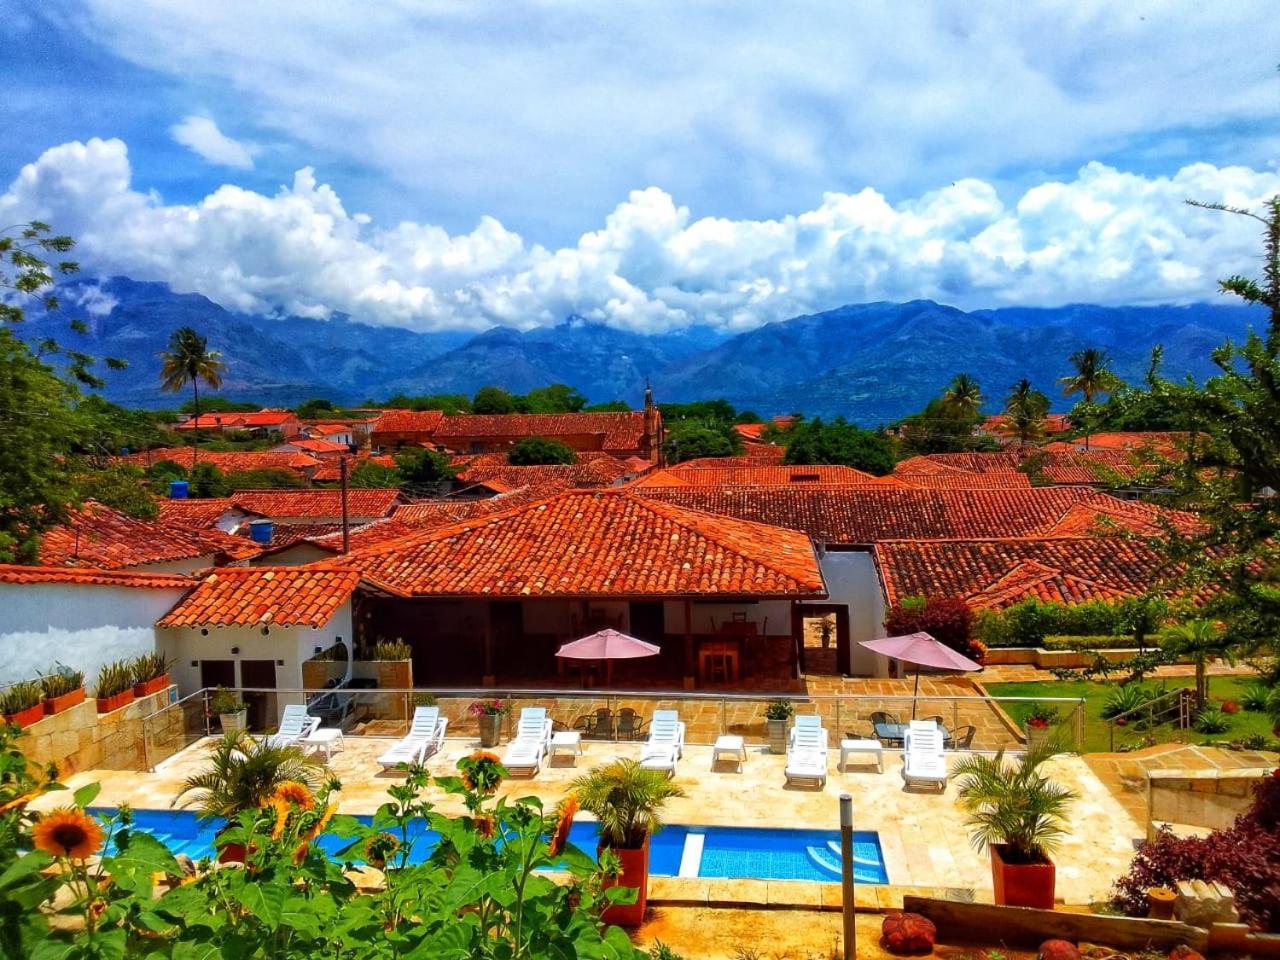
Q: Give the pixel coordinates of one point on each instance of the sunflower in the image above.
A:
(322, 821)
(485, 826)
(300, 852)
(17, 803)
(380, 848)
(97, 908)
(281, 810)
(68, 832)
(291, 791)
(481, 771)
(560, 836)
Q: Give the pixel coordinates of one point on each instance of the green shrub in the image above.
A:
(22, 695)
(113, 678)
(1255, 698)
(1029, 623)
(150, 666)
(224, 701)
(1212, 719)
(395, 649)
(60, 681)
(1126, 699)
(779, 710)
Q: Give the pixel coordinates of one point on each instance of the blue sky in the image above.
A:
(649, 164)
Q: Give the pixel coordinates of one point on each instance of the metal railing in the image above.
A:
(1171, 706)
(175, 726)
(974, 722)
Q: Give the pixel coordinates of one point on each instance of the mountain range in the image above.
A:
(870, 362)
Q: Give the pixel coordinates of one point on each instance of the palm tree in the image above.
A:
(1198, 640)
(963, 396)
(1025, 408)
(189, 359)
(1013, 803)
(1093, 376)
(627, 799)
(243, 772)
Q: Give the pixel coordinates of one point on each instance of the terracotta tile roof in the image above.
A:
(999, 573)
(619, 431)
(863, 515)
(317, 504)
(305, 596)
(1057, 463)
(199, 513)
(998, 425)
(1101, 515)
(329, 428)
(596, 543)
(1168, 444)
(596, 472)
(98, 536)
(238, 421)
(436, 513)
(753, 475)
(365, 535)
(330, 469)
(286, 535)
(964, 479)
(15, 573)
(226, 462)
(750, 431)
(425, 422)
(319, 447)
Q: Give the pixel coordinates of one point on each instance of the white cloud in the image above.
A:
(202, 136)
(1103, 236)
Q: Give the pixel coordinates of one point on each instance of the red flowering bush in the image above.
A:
(947, 619)
(1245, 857)
(1230, 706)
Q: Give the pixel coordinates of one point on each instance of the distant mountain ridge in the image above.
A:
(870, 362)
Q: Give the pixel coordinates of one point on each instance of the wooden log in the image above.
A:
(1027, 928)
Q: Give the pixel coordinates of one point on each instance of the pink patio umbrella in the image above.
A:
(608, 645)
(924, 651)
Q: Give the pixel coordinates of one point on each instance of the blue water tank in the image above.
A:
(260, 531)
(178, 490)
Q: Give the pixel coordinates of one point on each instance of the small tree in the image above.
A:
(423, 466)
(369, 474)
(122, 487)
(206, 480)
(1025, 409)
(947, 619)
(189, 360)
(536, 451)
(1198, 640)
(1092, 377)
(690, 439)
(963, 397)
(838, 442)
(496, 400)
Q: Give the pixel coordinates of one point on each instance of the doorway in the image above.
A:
(825, 638)
(218, 673)
(262, 706)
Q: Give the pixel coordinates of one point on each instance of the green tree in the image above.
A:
(122, 487)
(423, 466)
(533, 451)
(689, 439)
(963, 397)
(1025, 409)
(206, 480)
(838, 442)
(268, 478)
(369, 474)
(218, 405)
(189, 360)
(610, 406)
(557, 398)
(315, 409)
(450, 403)
(496, 400)
(1091, 378)
(1198, 641)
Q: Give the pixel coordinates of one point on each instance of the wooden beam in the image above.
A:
(1027, 928)
(689, 667)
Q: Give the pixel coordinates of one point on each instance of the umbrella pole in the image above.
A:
(915, 696)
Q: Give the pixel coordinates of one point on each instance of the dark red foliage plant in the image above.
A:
(947, 619)
(1244, 857)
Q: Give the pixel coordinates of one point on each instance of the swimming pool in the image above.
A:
(680, 850)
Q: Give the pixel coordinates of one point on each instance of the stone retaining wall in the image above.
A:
(129, 738)
(1211, 799)
(1047, 659)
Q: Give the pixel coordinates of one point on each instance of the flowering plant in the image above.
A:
(489, 708)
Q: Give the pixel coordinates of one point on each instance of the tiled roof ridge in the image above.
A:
(45, 573)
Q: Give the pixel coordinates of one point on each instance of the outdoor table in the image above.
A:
(731, 746)
(873, 747)
(325, 738)
(567, 741)
(894, 732)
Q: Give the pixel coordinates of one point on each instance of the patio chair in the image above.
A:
(630, 724)
(923, 759)
(807, 755)
(665, 744)
(528, 748)
(962, 739)
(879, 716)
(295, 726)
(598, 724)
(426, 736)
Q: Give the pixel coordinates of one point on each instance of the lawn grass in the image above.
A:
(1097, 735)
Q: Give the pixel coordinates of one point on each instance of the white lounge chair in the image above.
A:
(532, 739)
(665, 744)
(425, 736)
(296, 725)
(807, 754)
(924, 759)
(805, 721)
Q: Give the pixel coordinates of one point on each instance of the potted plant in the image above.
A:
(229, 709)
(114, 687)
(23, 703)
(1019, 814)
(395, 649)
(627, 800)
(1037, 723)
(63, 689)
(777, 715)
(489, 714)
(150, 674)
(242, 774)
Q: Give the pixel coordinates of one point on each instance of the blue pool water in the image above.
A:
(736, 852)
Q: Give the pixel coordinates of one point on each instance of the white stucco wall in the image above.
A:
(852, 579)
(288, 646)
(189, 565)
(80, 625)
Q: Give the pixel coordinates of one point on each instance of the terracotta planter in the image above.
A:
(1160, 902)
(490, 729)
(65, 702)
(25, 718)
(147, 687)
(1021, 884)
(107, 704)
(635, 874)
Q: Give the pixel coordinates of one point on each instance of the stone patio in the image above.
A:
(922, 834)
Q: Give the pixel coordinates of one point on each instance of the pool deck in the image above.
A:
(922, 833)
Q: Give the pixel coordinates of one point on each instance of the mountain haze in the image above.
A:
(870, 362)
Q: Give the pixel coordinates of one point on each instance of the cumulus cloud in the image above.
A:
(202, 136)
(1104, 236)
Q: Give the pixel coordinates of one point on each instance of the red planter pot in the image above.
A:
(1021, 884)
(107, 704)
(635, 874)
(65, 702)
(147, 687)
(25, 718)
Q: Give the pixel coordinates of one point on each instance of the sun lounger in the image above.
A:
(665, 744)
(295, 726)
(426, 736)
(807, 754)
(924, 760)
(533, 737)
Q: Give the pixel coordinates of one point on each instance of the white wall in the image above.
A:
(189, 645)
(189, 565)
(80, 625)
(852, 580)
